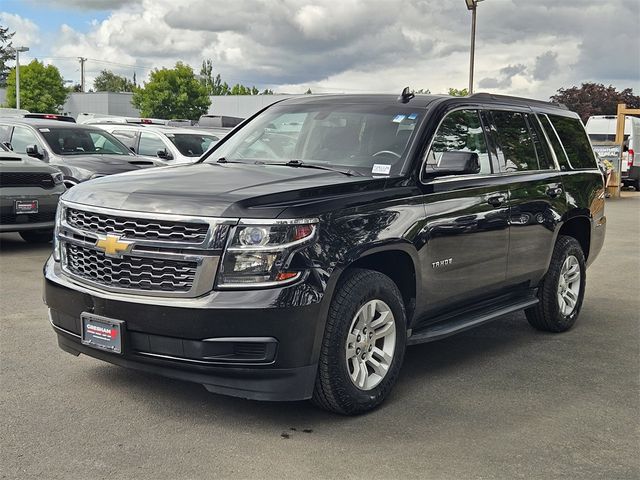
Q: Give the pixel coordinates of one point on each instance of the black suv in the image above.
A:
(309, 247)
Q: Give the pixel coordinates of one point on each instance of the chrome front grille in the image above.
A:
(137, 229)
(130, 272)
(167, 255)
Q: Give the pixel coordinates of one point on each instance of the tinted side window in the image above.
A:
(461, 131)
(150, 144)
(518, 152)
(575, 141)
(22, 137)
(545, 160)
(555, 143)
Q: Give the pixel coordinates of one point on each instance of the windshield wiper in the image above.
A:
(301, 164)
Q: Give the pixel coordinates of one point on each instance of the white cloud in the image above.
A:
(27, 33)
(367, 45)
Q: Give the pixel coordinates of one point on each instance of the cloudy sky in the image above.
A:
(524, 47)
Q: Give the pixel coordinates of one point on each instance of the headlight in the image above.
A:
(58, 178)
(259, 255)
(56, 230)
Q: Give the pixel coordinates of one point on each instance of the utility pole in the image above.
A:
(18, 50)
(82, 60)
(472, 5)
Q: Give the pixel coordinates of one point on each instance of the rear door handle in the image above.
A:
(554, 192)
(496, 200)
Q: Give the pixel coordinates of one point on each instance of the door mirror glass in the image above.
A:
(164, 154)
(32, 151)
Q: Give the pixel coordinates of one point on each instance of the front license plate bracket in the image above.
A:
(101, 332)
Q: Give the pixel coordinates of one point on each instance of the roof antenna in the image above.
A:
(406, 95)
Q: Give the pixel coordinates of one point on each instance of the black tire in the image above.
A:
(37, 236)
(334, 390)
(547, 315)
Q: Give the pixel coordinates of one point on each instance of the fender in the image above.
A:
(352, 257)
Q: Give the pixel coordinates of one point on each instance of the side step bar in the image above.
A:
(464, 322)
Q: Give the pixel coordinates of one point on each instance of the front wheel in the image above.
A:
(37, 236)
(363, 345)
(562, 289)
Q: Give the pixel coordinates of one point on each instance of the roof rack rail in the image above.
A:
(493, 96)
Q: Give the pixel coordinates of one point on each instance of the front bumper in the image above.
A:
(259, 345)
(43, 220)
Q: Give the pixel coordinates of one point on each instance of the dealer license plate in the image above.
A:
(101, 332)
(26, 206)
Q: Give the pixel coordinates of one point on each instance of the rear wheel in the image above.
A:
(37, 236)
(363, 345)
(562, 289)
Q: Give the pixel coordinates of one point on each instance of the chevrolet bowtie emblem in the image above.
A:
(112, 246)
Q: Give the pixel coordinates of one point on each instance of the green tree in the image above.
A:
(6, 53)
(41, 88)
(267, 91)
(172, 93)
(238, 89)
(108, 81)
(422, 91)
(454, 92)
(308, 92)
(595, 99)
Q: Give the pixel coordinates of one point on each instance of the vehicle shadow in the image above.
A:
(12, 242)
(444, 358)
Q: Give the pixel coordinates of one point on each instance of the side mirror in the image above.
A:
(8, 145)
(133, 149)
(32, 151)
(455, 163)
(163, 154)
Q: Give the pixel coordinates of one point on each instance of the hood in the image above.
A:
(105, 164)
(229, 190)
(12, 162)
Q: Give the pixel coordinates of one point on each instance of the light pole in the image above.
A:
(18, 50)
(471, 5)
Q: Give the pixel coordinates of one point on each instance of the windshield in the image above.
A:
(81, 141)
(369, 138)
(192, 144)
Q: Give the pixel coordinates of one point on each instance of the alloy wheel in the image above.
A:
(371, 343)
(569, 285)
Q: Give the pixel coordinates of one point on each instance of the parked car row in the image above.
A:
(41, 155)
(83, 152)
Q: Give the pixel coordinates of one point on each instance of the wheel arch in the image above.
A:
(578, 227)
(398, 261)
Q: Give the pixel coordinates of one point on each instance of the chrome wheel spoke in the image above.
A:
(384, 356)
(370, 312)
(363, 373)
(380, 368)
(351, 352)
(571, 298)
(388, 329)
(381, 320)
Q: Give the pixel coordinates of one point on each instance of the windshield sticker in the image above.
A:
(398, 118)
(413, 116)
(45, 130)
(381, 169)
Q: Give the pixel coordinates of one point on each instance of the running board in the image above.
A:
(464, 322)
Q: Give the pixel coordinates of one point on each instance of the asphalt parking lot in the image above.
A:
(500, 401)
